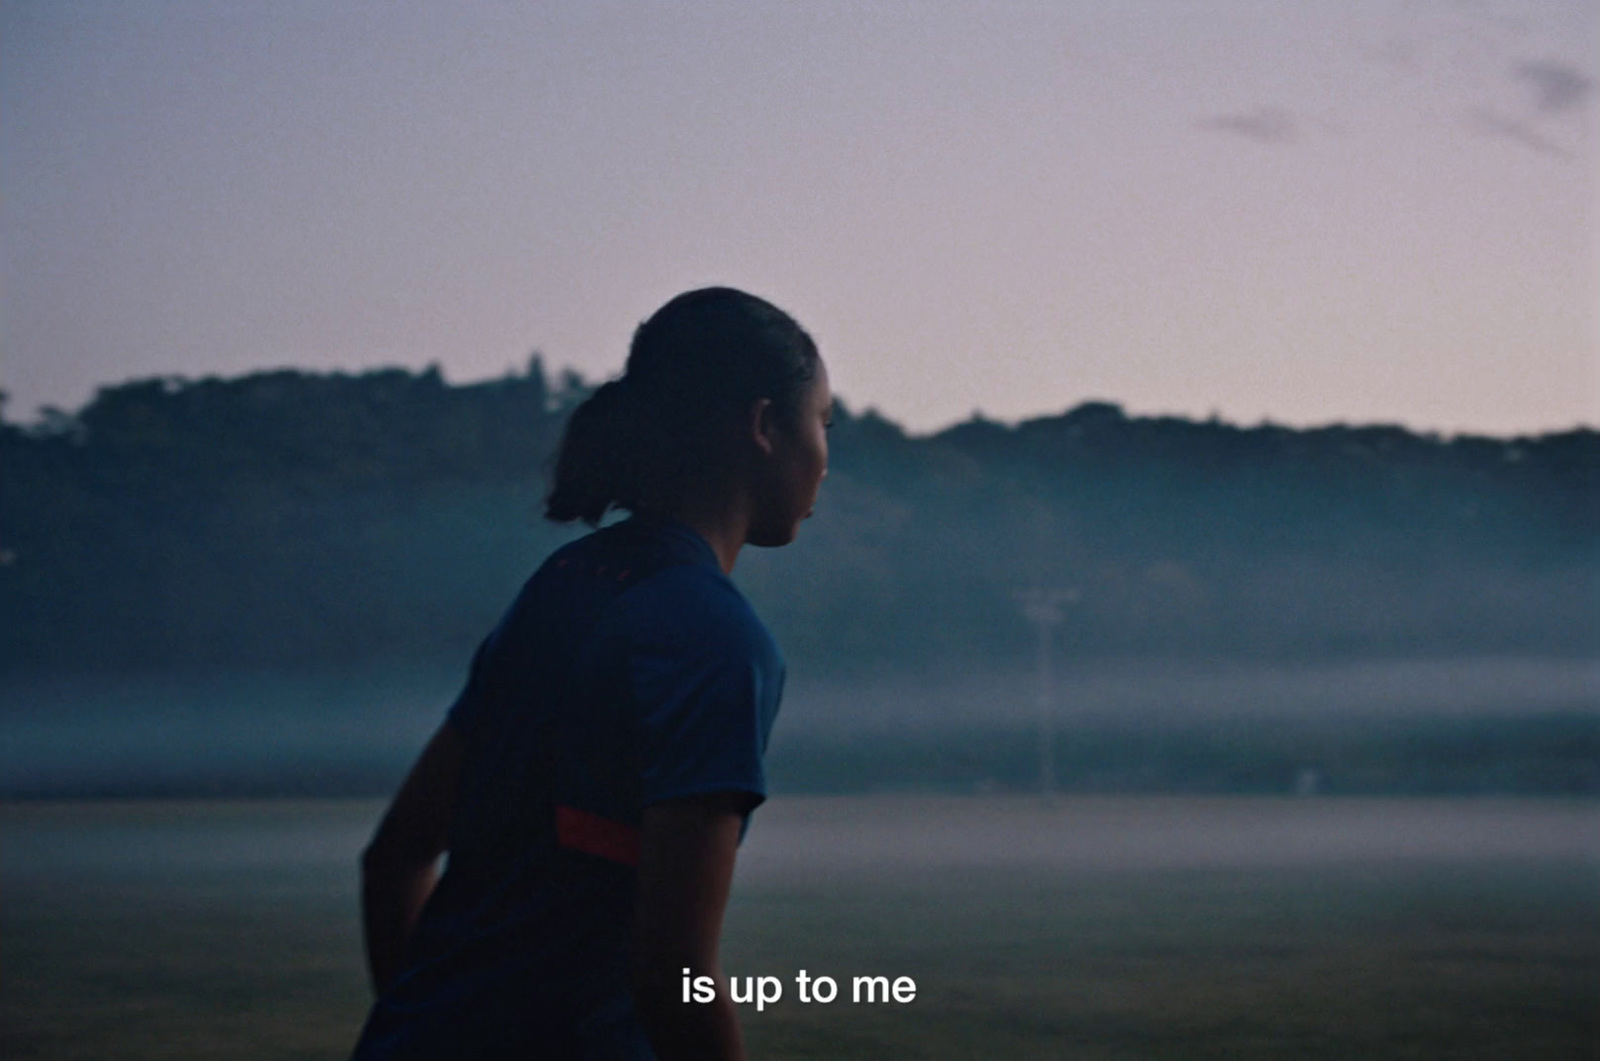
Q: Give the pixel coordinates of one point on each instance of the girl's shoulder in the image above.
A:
(691, 607)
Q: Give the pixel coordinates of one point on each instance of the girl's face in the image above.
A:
(787, 483)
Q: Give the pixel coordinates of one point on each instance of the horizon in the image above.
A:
(42, 415)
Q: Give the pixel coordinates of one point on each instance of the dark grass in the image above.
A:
(189, 931)
(1494, 961)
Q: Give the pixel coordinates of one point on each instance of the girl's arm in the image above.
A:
(398, 868)
(685, 870)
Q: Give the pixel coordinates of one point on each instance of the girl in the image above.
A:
(592, 781)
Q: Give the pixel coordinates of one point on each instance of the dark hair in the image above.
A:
(699, 359)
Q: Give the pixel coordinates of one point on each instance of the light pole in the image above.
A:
(1042, 606)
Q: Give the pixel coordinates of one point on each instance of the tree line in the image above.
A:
(289, 518)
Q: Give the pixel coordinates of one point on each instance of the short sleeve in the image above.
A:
(706, 680)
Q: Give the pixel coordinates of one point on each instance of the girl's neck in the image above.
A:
(723, 523)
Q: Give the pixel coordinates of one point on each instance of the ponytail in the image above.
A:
(596, 468)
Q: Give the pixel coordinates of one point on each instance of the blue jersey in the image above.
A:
(628, 671)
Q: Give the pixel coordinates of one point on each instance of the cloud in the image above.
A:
(1559, 87)
(1519, 132)
(1266, 125)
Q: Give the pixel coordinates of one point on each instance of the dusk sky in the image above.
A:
(1303, 212)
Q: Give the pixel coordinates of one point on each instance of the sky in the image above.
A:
(1299, 212)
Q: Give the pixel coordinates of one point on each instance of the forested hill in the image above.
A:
(287, 519)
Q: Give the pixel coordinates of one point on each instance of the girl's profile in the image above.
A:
(592, 781)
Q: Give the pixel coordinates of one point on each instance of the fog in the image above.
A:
(1142, 725)
(1157, 691)
(332, 732)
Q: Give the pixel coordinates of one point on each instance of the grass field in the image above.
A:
(1087, 928)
